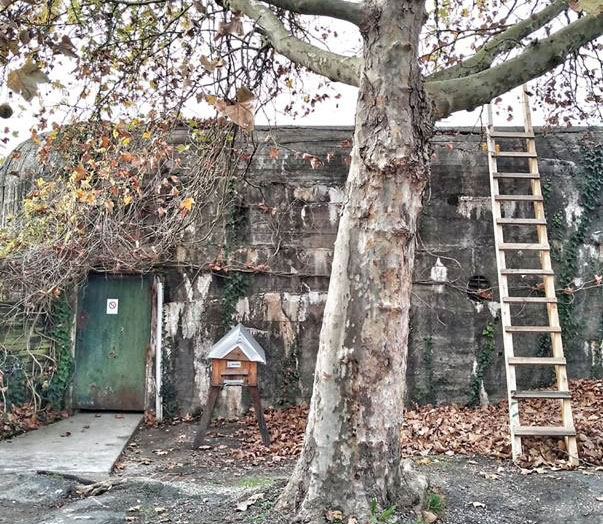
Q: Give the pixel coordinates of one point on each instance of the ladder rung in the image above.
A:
(519, 198)
(527, 272)
(541, 394)
(536, 361)
(515, 154)
(516, 175)
(532, 329)
(522, 221)
(530, 300)
(521, 247)
(511, 134)
(544, 431)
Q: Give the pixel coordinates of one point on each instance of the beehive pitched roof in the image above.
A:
(238, 336)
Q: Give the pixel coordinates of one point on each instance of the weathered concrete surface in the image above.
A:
(86, 445)
(287, 218)
(286, 215)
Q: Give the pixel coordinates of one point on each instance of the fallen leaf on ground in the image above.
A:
(334, 516)
(489, 476)
(243, 506)
(476, 504)
(428, 517)
(452, 428)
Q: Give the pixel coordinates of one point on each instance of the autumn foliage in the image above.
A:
(112, 197)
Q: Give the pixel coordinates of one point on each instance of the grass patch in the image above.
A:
(255, 482)
(434, 502)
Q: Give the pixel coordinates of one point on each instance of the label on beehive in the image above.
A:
(233, 364)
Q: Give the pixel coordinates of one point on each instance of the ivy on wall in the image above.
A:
(430, 395)
(483, 359)
(591, 176)
(169, 393)
(235, 287)
(61, 318)
(37, 365)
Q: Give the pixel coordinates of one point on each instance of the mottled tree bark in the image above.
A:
(352, 450)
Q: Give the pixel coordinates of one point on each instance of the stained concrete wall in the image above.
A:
(286, 215)
(279, 232)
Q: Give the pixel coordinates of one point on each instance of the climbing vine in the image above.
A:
(169, 394)
(235, 287)
(484, 359)
(36, 365)
(428, 365)
(61, 319)
(591, 177)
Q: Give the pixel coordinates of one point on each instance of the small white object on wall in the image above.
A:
(112, 306)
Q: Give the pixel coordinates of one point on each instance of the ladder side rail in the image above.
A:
(503, 291)
(549, 283)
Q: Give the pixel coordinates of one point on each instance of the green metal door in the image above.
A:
(113, 336)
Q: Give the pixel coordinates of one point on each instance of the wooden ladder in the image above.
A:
(545, 271)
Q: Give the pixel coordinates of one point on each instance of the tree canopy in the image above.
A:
(120, 58)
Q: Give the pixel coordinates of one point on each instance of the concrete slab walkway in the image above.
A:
(86, 445)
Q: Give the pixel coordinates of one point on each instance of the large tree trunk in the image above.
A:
(352, 451)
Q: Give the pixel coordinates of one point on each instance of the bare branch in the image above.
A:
(352, 12)
(136, 3)
(542, 56)
(331, 65)
(505, 41)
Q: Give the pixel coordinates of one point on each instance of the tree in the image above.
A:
(411, 72)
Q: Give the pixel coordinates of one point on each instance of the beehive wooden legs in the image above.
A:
(209, 407)
(259, 414)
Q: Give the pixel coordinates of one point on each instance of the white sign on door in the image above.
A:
(112, 306)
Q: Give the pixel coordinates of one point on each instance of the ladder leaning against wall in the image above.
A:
(521, 251)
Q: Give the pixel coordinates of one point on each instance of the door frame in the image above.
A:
(153, 400)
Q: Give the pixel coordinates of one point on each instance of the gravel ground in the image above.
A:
(167, 482)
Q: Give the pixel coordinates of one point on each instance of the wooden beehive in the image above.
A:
(235, 358)
(234, 362)
(234, 370)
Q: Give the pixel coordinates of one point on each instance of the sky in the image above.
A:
(332, 112)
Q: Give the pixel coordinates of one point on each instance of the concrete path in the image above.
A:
(86, 445)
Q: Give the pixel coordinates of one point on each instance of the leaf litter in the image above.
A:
(429, 429)
(452, 429)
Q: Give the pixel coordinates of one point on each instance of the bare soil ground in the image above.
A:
(167, 482)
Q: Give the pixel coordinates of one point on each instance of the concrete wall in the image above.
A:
(267, 264)
(286, 219)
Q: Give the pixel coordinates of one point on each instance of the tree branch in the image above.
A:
(501, 43)
(340, 9)
(542, 56)
(335, 67)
